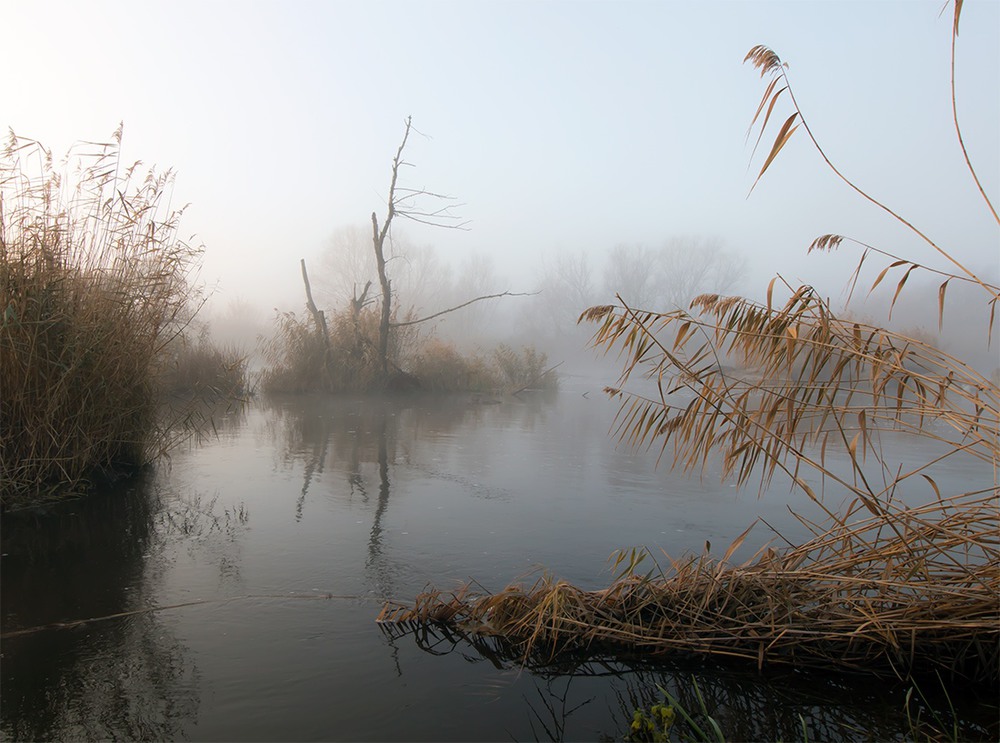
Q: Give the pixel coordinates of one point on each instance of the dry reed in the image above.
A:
(204, 369)
(296, 354)
(885, 585)
(910, 591)
(94, 283)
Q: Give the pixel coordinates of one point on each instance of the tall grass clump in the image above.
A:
(199, 367)
(901, 579)
(94, 283)
(299, 359)
(294, 356)
(524, 369)
(441, 367)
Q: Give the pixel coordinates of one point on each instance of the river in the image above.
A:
(249, 567)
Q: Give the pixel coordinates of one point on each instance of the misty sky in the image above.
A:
(559, 125)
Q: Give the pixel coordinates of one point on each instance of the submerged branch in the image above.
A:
(157, 609)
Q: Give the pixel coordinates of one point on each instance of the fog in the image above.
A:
(580, 141)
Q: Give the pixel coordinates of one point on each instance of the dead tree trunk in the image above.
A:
(403, 202)
(378, 242)
(321, 328)
(378, 238)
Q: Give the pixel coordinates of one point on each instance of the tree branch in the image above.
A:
(464, 304)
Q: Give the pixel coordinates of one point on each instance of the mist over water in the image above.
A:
(321, 508)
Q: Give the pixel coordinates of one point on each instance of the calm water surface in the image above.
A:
(365, 500)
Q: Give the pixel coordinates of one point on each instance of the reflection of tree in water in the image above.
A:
(320, 432)
(747, 705)
(363, 440)
(345, 434)
(376, 564)
(360, 438)
(124, 678)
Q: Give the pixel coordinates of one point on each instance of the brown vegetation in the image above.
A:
(858, 596)
(94, 287)
(888, 584)
(202, 368)
(297, 354)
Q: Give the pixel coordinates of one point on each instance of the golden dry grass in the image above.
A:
(94, 284)
(908, 592)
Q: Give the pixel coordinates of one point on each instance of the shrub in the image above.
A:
(294, 355)
(296, 359)
(441, 368)
(524, 370)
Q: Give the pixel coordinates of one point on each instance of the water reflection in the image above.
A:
(573, 698)
(366, 499)
(552, 706)
(81, 564)
(794, 705)
(210, 530)
(364, 440)
(125, 678)
(375, 563)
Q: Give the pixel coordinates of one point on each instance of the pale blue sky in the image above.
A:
(559, 125)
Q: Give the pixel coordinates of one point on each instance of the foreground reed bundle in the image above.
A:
(94, 283)
(887, 594)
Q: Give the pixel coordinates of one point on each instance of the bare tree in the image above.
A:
(345, 266)
(474, 275)
(571, 283)
(631, 271)
(406, 203)
(566, 289)
(402, 202)
(670, 277)
(689, 266)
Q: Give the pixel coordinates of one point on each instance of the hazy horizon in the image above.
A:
(561, 128)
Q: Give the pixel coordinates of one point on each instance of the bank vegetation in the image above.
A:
(97, 293)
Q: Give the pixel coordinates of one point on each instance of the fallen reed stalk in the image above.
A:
(843, 599)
